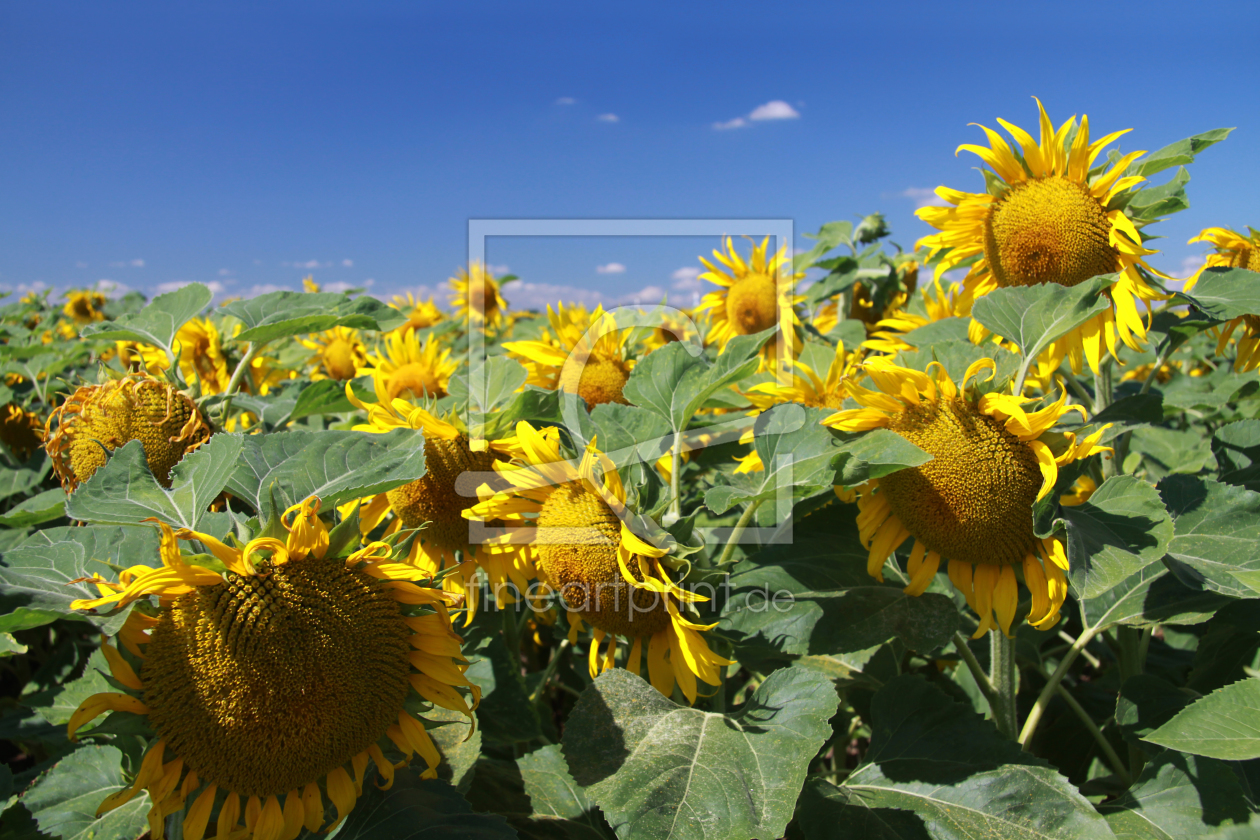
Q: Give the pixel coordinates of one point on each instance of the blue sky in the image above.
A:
(249, 144)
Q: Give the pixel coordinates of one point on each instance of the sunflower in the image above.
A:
(753, 295)
(100, 418)
(972, 503)
(420, 314)
(84, 307)
(200, 351)
(1233, 250)
(1050, 218)
(409, 368)
(584, 354)
(477, 297)
(339, 354)
(605, 574)
(21, 430)
(268, 678)
(434, 499)
(309, 285)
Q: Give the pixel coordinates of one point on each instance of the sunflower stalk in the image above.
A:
(977, 672)
(1113, 758)
(1004, 678)
(550, 670)
(675, 493)
(1039, 708)
(737, 533)
(251, 351)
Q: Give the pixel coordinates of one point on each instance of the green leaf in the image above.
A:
(829, 236)
(35, 587)
(333, 465)
(827, 812)
(796, 451)
(38, 509)
(1227, 648)
(1034, 316)
(1146, 703)
(1152, 596)
(1225, 293)
(940, 760)
(629, 434)
(1128, 413)
(327, 396)
(1168, 451)
(498, 380)
(1177, 154)
(1177, 796)
(459, 745)
(1153, 203)
(556, 798)
(814, 598)
(57, 704)
(506, 715)
(938, 332)
(24, 478)
(282, 314)
(1121, 529)
(665, 771)
(124, 491)
(1237, 450)
(876, 454)
(1217, 540)
(415, 809)
(63, 803)
(1225, 724)
(158, 322)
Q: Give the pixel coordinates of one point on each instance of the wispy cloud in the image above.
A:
(226, 272)
(608, 118)
(1189, 266)
(537, 296)
(686, 279)
(174, 285)
(498, 270)
(566, 100)
(80, 264)
(348, 263)
(776, 109)
(264, 289)
(923, 197)
(648, 294)
(611, 268)
(136, 263)
(308, 264)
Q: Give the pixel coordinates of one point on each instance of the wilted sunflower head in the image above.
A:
(267, 680)
(753, 295)
(605, 574)
(584, 353)
(1050, 217)
(84, 307)
(21, 430)
(339, 354)
(100, 418)
(972, 503)
(476, 296)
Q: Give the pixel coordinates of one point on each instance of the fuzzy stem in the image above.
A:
(1039, 708)
(977, 672)
(737, 532)
(675, 469)
(251, 351)
(550, 670)
(1005, 681)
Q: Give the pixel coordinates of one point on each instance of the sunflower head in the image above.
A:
(476, 296)
(992, 459)
(410, 368)
(21, 430)
(1233, 250)
(583, 353)
(753, 295)
(100, 418)
(339, 354)
(267, 678)
(84, 307)
(420, 314)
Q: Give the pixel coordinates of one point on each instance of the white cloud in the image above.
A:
(774, 110)
(923, 197)
(136, 263)
(348, 263)
(226, 272)
(566, 100)
(340, 286)
(686, 279)
(1189, 266)
(611, 268)
(738, 122)
(539, 295)
(308, 264)
(111, 288)
(264, 289)
(498, 270)
(80, 264)
(648, 294)
(608, 118)
(171, 286)
(35, 286)
(370, 282)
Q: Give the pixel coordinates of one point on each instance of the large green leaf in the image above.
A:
(1119, 531)
(827, 812)
(35, 578)
(1177, 154)
(539, 797)
(1217, 536)
(57, 704)
(1225, 724)
(415, 809)
(940, 760)
(1034, 316)
(875, 454)
(814, 598)
(629, 434)
(1166, 451)
(1146, 703)
(63, 803)
(665, 771)
(506, 714)
(158, 322)
(282, 314)
(1152, 596)
(25, 477)
(1225, 293)
(1237, 450)
(495, 382)
(335, 466)
(1178, 796)
(38, 509)
(124, 491)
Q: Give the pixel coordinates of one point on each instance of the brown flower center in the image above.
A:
(752, 305)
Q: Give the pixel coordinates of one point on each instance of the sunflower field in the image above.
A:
(958, 541)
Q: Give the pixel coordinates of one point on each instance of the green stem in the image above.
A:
(977, 672)
(1113, 758)
(675, 470)
(737, 532)
(1039, 708)
(1077, 388)
(1004, 677)
(511, 637)
(251, 351)
(1102, 399)
(550, 670)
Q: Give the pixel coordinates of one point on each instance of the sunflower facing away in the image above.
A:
(96, 418)
(270, 685)
(1050, 219)
(972, 503)
(1233, 250)
(605, 574)
(434, 499)
(200, 351)
(339, 354)
(753, 295)
(476, 297)
(411, 368)
(584, 354)
(21, 430)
